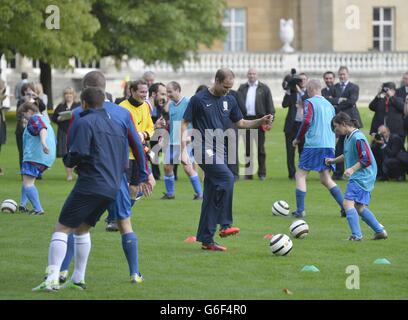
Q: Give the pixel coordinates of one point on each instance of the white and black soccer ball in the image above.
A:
(299, 229)
(280, 208)
(9, 206)
(281, 245)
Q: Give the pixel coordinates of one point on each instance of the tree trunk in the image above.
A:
(46, 81)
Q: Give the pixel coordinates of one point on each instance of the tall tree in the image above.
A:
(157, 30)
(27, 28)
(152, 30)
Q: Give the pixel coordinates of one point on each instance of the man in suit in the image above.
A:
(345, 96)
(402, 92)
(258, 103)
(329, 77)
(293, 100)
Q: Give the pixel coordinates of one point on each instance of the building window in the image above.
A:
(94, 64)
(383, 29)
(11, 63)
(36, 64)
(235, 25)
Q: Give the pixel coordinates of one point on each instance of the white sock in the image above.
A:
(81, 254)
(56, 254)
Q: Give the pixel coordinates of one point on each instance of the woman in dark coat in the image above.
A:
(68, 104)
(389, 110)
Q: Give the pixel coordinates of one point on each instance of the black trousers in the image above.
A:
(379, 158)
(19, 140)
(393, 168)
(339, 151)
(155, 167)
(260, 150)
(290, 150)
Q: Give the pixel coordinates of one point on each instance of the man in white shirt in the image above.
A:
(258, 103)
(403, 93)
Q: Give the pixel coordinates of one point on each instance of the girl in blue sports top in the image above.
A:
(361, 169)
(38, 154)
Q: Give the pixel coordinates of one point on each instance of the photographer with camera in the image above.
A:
(388, 110)
(295, 87)
(389, 152)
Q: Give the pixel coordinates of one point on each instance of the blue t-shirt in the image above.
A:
(208, 112)
(176, 113)
(357, 149)
(32, 148)
(316, 125)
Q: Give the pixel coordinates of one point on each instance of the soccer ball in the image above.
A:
(280, 208)
(299, 229)
(9, 205)
(281, 245)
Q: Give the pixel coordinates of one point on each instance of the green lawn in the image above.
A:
(174, 269)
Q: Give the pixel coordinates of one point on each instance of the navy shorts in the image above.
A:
(83, 208)
(32, 169)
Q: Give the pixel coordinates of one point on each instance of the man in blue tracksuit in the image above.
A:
(208, 111)
(99, 150)
(120, 209)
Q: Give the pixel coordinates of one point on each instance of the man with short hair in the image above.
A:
(156, 101)
(99, 151)
(177, 107)
(345, 96)
(329, 77)
(207, 111)
(319, 144)
(258, 103)
(149, 77)
(140, 111)
(120, 209)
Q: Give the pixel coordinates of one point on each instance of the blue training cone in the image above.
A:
(311, 268)
(382, 261)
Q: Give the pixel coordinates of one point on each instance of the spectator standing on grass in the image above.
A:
(68, 104)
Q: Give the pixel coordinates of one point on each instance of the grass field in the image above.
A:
(174, 269)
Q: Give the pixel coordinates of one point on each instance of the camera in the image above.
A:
(378, 136)
(384, 89)
(386, 86)
(291, 80)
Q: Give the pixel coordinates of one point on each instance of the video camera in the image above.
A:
(291, 80)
